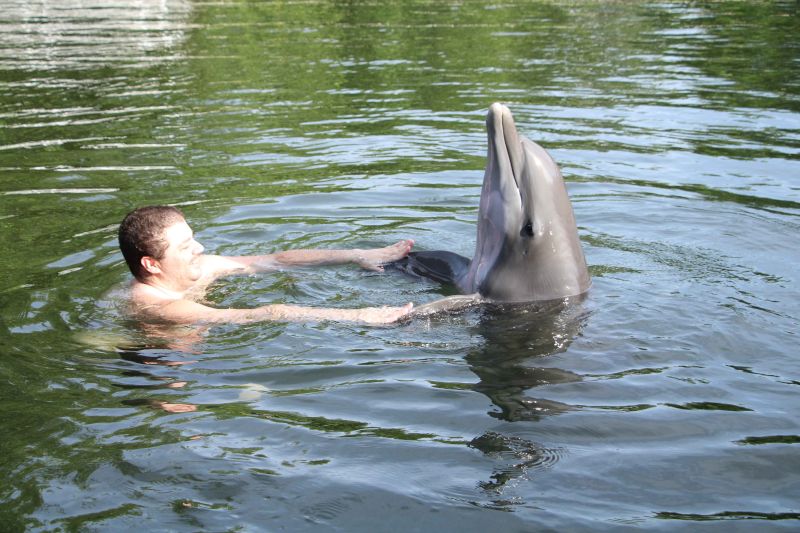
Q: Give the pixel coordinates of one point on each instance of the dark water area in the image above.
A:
(666, 399)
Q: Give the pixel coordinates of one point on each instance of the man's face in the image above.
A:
(180, 264)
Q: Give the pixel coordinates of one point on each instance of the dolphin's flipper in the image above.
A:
(440, 266)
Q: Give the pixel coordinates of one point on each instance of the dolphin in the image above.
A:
(527, 247)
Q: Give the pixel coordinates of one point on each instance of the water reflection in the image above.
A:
(516, 336)
(518, 455)
(135, 380)
(79, 34)
(152, 383)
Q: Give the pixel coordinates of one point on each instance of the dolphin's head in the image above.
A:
(527, 246)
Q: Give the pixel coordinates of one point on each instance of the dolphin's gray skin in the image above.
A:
(527, 247)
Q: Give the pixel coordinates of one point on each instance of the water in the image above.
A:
(666, 399)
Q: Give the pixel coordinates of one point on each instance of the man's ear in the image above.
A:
(150, 264)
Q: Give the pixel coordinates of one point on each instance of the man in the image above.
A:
(171, 273)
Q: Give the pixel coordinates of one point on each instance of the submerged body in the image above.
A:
(527, 246)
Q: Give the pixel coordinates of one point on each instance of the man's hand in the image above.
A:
(375, 259)
(383, 315)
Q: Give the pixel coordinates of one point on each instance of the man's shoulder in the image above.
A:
(144, 295)
(150, 303)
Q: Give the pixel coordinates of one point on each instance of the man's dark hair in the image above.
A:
(141, 233)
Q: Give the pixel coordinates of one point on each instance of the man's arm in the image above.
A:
(188, 312)
(215, 265)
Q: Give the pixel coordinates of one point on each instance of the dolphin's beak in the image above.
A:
(505, 151)
(502, 203)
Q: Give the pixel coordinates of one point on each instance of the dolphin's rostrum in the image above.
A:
(527, 245)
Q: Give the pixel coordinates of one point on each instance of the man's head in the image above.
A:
(143, 234)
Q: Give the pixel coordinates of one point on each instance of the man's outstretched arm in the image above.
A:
(372, 259)
(189, 312)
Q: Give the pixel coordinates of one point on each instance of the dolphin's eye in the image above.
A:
(527, 230)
